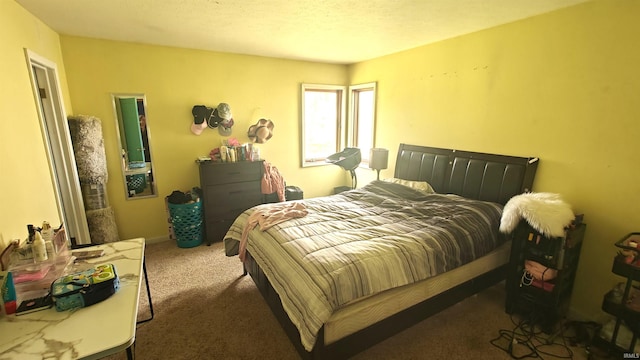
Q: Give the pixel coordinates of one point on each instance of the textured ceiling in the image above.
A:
(332, 31)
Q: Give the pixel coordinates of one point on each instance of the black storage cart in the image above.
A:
(619, 306)
(543, 302)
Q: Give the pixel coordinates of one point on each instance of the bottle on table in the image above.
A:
(39, 248)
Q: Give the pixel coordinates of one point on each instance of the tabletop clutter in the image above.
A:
(629, 249)
(41, 272)
(232, 151)
(628, 253)
(30, 266)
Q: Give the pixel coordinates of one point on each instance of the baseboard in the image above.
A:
(573, 314)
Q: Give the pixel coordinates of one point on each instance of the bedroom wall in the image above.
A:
(174, 80)
(26, 191)
(563, 87)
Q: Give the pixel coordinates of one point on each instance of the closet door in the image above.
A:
(131, 125)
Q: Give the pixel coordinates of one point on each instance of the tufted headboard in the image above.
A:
(487, 177)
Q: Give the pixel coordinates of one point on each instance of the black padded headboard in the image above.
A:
(487, 177)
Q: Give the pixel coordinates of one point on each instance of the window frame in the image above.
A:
(341, 92)
(353, 121)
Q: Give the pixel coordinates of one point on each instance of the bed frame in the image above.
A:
(487, 177)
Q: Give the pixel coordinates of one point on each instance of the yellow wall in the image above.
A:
(563, 87)
(174, 80)
(26, 193)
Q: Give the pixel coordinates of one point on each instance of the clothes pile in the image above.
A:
(179, 197)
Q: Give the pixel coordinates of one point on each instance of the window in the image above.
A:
(325, 131)
(323, 128)
(362, 118)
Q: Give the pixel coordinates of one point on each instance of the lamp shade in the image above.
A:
(378, 158)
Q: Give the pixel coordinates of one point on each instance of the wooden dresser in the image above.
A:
(228, 189)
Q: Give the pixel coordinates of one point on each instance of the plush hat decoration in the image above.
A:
(261, 131)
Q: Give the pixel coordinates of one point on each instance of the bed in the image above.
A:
(424, 248)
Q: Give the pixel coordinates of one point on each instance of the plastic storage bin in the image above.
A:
(293, 193)
(186, 220)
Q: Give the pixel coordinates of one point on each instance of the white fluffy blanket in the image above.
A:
(545, 212)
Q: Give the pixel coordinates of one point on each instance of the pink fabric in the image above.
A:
(272, 181)
(269, 216)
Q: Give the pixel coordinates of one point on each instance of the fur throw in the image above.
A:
(545, 212)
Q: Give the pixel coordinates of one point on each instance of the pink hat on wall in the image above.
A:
(197, 129)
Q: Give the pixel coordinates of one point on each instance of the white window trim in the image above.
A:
(352, 136)
(341, 122)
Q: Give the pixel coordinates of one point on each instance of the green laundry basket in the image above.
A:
(136, 183)
(187, 223)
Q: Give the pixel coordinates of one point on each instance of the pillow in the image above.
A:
(422, 186)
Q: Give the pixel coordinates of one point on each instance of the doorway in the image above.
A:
(55, 132)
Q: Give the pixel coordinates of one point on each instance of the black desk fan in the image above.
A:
(348, 159)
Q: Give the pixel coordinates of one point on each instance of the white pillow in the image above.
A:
(422, 186)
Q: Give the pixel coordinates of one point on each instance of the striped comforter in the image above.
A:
(365, 241)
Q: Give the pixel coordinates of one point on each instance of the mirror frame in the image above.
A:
(151, 188)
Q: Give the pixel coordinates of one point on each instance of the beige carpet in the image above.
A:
(205, 309)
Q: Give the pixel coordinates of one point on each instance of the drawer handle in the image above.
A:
(234, 173)
(235, 192)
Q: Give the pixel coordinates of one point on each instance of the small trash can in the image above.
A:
(186, 220)
(271, 198)
(293, 193)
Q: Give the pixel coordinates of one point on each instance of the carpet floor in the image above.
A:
(205, 309)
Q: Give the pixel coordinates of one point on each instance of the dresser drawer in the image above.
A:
(228, 189)
(221, 200)
(216, 230)
(227, 173)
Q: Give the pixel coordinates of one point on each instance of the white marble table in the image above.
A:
(93, 332)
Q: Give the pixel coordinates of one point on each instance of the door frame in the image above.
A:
(55, 132)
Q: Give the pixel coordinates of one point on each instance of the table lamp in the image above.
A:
(378, 158)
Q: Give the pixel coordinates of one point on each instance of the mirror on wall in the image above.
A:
(133, 141)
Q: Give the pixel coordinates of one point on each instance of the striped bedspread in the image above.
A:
(365, 241)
